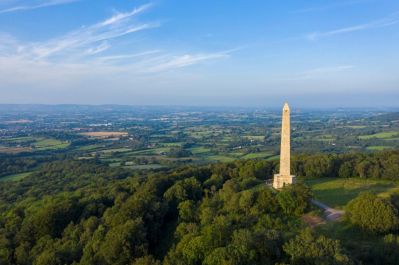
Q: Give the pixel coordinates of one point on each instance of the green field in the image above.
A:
(15, 177)
(49, 144)
(378, 147)
(256, 155)
(337, 192)
(382, 135)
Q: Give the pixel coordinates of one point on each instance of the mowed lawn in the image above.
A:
(337, 192)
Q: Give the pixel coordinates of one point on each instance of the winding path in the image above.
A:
(331, 214)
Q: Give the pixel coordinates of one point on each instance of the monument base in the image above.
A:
(280, 180)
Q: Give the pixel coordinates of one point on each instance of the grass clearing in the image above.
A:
(220, 158)
(256, 155)
(337, 192)
(382, 135)
(15, 177)
(199, 150)
(49, 144)
(378, 148)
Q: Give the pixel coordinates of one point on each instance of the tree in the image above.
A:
(187, 211)
(372, 213)
(124, 242)
(294, 199)
(146, 260)
(307, 249)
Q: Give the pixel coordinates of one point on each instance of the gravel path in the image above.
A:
(331, 214)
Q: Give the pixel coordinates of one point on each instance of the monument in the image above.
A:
(284, 177)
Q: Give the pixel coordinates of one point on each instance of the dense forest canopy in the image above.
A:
(84, 212)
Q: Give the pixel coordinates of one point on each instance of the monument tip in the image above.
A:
(286, 107)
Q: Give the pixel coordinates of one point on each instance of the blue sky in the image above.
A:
(228, 52)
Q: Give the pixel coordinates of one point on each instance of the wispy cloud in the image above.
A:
(123, 16)
(186, 60)
(29, 5)
(89, 53)
(381, 23)
(88, 40)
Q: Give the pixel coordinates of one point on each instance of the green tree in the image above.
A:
(294, 199)
(372, 213)
(307, 249)
(124, 242)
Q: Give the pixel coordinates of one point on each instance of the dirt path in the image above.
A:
(312, 220)
(331, 214)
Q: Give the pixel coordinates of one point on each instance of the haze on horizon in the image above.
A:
(332, 53)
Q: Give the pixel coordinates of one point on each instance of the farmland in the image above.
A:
(159, 137)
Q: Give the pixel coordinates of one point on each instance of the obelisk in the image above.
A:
(284, 177)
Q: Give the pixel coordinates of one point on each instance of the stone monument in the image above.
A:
(284, 177)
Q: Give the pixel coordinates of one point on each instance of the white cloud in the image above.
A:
(29, 5)
(381, 23)
(123, 16)
(98, 49)
(88, 55)
(185, 60)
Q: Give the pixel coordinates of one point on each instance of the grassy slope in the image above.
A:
(337, 192)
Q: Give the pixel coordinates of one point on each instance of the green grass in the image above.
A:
(256, 155)
(15, 177)
(199, 150)
(40, 143)
(114, 150)
(220, 158)
(273, 157)
(378, 147)
(49, 144)
(382, 135)
(19, 139)
(149, 166)
(89, 147)
(178, 144)
(325, 138)
(337, 192)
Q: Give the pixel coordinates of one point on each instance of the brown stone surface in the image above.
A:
(284, 177)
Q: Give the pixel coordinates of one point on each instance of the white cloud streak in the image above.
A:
(381, 23)
(88, 54)
(186, 60)
(36, 5)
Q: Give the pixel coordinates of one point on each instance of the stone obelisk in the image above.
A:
(284, 177)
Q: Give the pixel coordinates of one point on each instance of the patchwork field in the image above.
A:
(14, 150)
(30, 144)
(337, 192)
